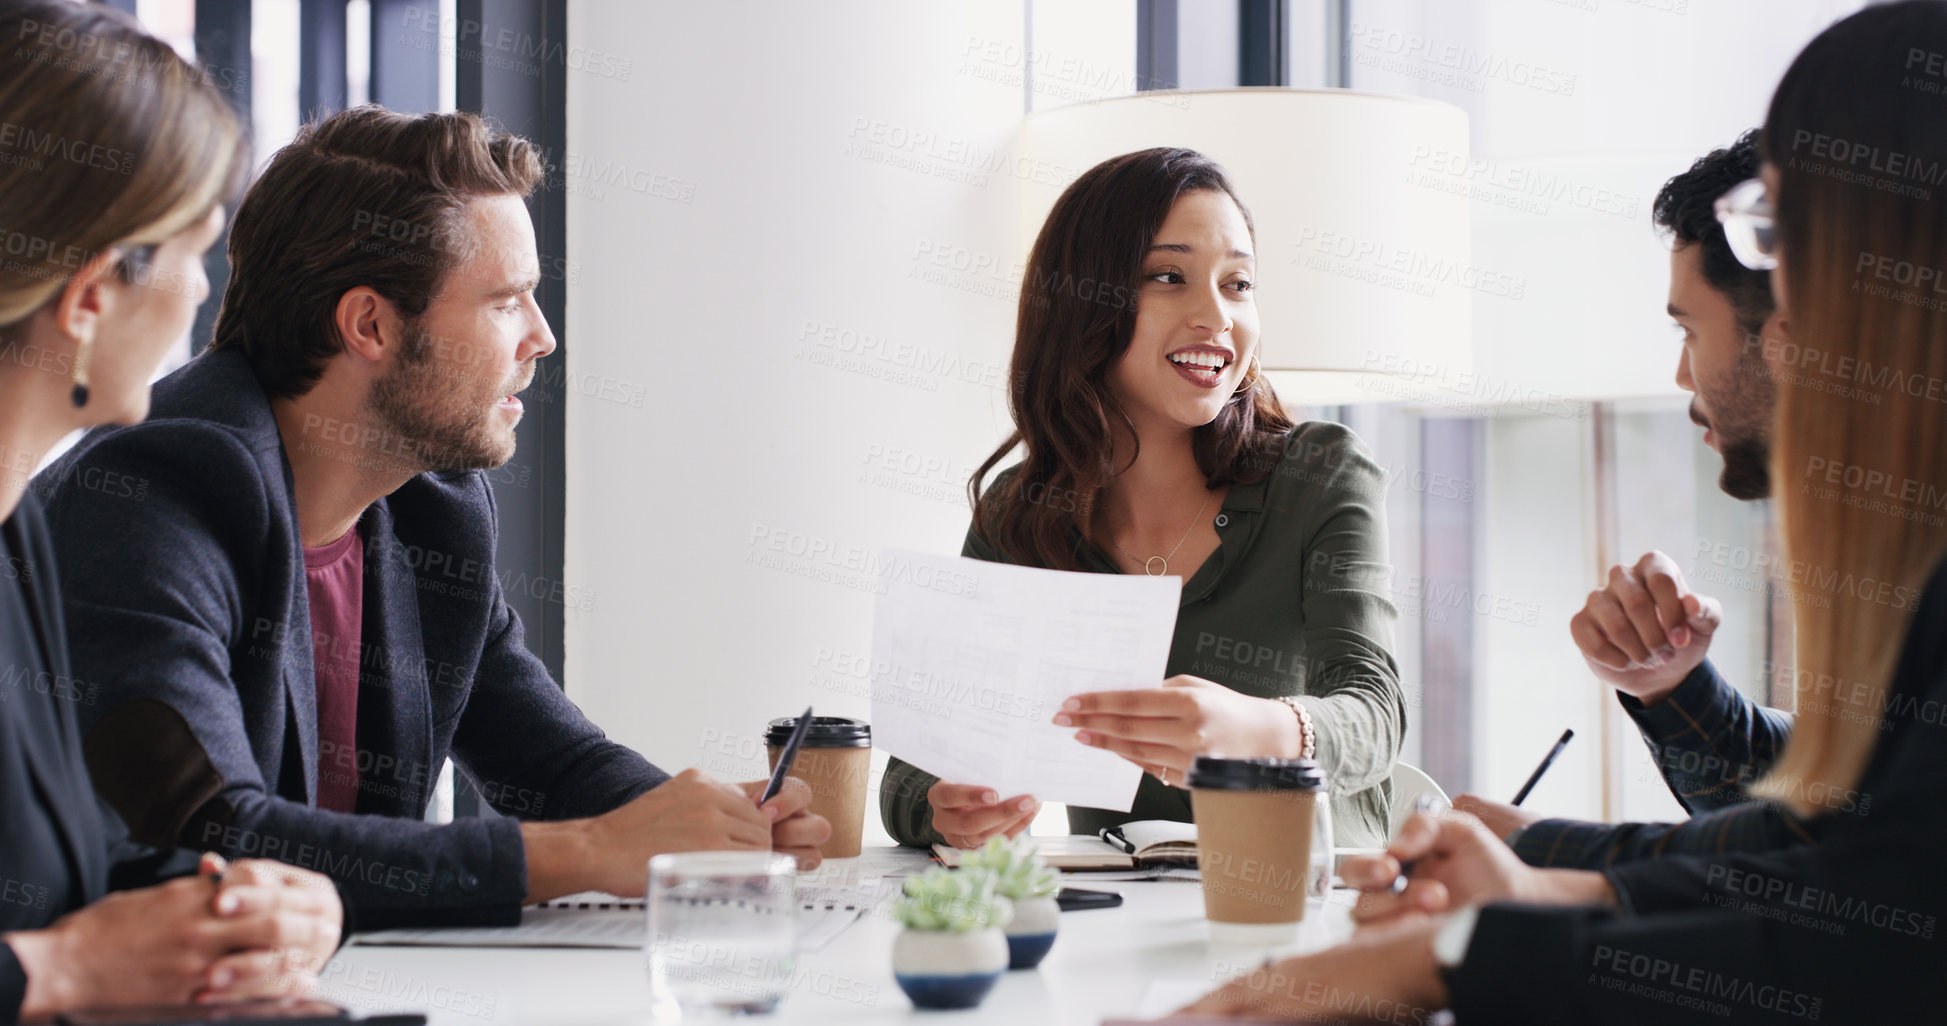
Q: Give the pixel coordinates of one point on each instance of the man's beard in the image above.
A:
(1743, 427)
(1747, 469)
(432, 421)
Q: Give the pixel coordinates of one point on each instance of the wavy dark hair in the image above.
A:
(367, 197)
(1077, 316)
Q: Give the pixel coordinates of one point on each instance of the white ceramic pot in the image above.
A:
(938, 969)
(1031, 933)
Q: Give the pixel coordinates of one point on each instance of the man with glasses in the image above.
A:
(1645, 633)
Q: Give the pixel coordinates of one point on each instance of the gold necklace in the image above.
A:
(1149, 563)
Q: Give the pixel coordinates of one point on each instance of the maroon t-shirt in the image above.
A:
(334, 577)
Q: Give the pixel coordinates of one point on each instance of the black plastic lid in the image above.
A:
(825, 732)
(1224, 773)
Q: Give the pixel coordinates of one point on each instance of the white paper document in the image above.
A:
(971, 660)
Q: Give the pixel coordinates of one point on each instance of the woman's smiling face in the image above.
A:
(1196, 318)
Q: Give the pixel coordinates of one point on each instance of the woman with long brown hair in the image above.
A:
(1153, 444)
(118, 157)
(1851, 218)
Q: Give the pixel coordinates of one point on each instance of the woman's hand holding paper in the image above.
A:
(1164, 729)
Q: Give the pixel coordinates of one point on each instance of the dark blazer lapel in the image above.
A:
(394, 700)
(301, 682)
(251, 411)
(68, 796)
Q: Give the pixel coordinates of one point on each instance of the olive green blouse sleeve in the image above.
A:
(1352, 687)
(902, 804)
(902, 791)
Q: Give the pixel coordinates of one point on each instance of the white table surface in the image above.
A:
(1144, 957)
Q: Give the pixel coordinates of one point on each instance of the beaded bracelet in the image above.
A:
(1308, 738)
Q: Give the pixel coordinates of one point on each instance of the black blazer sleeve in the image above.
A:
(1709, 741)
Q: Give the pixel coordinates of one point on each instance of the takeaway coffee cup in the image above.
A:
(834, 761)
(1264, 843)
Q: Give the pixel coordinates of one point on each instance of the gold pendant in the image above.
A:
(1147, 563)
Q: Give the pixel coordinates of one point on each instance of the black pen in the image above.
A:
(1522, 795)
(787, 757)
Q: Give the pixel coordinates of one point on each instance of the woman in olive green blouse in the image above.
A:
(1153, 445)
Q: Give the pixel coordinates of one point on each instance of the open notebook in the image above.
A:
(1143, 844)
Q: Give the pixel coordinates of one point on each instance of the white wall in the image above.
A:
(813, 278)
(1082, 50)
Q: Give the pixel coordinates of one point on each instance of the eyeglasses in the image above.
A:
(136, 264)
(1750, 224)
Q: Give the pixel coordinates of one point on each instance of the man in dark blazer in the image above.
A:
(1709, 741)
(289, 604)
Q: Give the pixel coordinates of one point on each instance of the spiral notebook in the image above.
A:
(594, 920)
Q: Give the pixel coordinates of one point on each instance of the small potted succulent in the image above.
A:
(1027, 882)
(952, 948)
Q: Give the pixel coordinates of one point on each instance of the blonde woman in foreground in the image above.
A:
(100, 274)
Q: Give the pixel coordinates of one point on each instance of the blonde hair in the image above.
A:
(108, 138)
(1860, 471)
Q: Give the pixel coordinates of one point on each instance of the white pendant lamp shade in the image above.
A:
(1361, 207)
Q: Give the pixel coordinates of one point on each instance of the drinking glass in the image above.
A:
(722, 934)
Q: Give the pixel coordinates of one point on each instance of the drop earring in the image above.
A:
(79, 395)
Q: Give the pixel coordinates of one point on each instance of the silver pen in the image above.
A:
(1426, 804)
